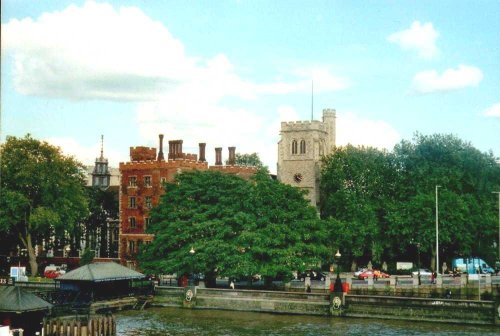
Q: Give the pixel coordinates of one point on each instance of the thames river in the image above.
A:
(183, 322)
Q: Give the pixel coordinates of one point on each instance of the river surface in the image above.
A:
(183, 322)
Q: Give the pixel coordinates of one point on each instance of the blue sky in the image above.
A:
(227, 72)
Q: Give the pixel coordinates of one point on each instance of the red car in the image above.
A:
(376, 274)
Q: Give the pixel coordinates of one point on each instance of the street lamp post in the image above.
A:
(192, 252)
(418, 262)
(498, 192)
(67, 249)
(437, 230)
(338, 282)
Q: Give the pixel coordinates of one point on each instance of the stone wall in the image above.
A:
(386, 307)
(420, 309)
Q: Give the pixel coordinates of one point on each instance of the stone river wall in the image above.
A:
(387, 307)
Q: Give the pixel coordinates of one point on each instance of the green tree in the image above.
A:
(103, 204)
(356, 187)
(467, 212)
(87, 257)
(236, 227)
(251, 160)
(42, 192)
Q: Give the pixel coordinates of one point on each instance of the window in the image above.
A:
(147, 221)
(132, 181)
(149, 202)
(131, 202)
(302, 147)
(147, 181)
(131, 222)
(294, 147)
(131, 246)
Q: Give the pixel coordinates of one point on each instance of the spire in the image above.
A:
(102, 146)
(312, 100)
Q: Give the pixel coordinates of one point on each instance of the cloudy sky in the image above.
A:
(227, 72)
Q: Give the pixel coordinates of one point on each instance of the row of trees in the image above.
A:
(375, 205)
(381, 204)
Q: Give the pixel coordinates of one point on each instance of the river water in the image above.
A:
(183, 322)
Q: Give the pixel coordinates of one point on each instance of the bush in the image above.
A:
(87, 257)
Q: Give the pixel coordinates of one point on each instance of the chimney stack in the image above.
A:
(202, 151)
(232, 156)
(160, 153)
(175, 149)
(218, 156)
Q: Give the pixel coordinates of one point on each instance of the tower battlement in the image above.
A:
(302, 126)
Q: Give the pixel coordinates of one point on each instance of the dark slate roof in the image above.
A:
(101, 271)
(15, 299)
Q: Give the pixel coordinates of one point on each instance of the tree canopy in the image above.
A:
(41, 194)
(236, 227)
(382, 204)
(251, 160)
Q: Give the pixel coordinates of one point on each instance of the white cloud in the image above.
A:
(95, 51)
(84, 154)
(358, 131)
(492, 111)
(451, 79)
(419, 37)
(100, 52)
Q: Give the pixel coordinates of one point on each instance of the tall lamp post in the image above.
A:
(192, 252)
(498, 192)
(418, 261)
(437, 230)
(338, 282)
(68, 250)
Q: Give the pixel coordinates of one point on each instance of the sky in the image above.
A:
(228, 72)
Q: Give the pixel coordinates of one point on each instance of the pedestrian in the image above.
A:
(231, 285)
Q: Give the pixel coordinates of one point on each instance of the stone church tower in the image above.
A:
(302, 145)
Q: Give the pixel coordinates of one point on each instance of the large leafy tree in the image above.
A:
(250, 160)
(41, 193)
(467, 211)
(236, 227)
(356, 187)
(103, 205)
(383, 204)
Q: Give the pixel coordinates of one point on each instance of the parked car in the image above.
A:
(376, 274)
(314, 275)
(53, 271)
(423, 272)
(360, 270)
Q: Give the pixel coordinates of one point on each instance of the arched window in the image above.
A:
(294, 147)
(302, 147)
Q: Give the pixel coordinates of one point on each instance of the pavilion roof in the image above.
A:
(15, 299)
(101, 271)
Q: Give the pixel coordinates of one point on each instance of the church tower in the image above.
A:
(302, 145)
(101, 176)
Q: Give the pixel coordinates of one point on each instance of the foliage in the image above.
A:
(380, 205)
(103, 204)
(42, 192)
(467, 208)
(356, 185)
(87, 257)
(252, 160)
(236, 227)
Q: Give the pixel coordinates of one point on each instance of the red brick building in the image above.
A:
(141, 187)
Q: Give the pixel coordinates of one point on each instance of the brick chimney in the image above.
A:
(175, 149)
(160, 153)
(202, 151)
(218, 156)
(232, 156)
